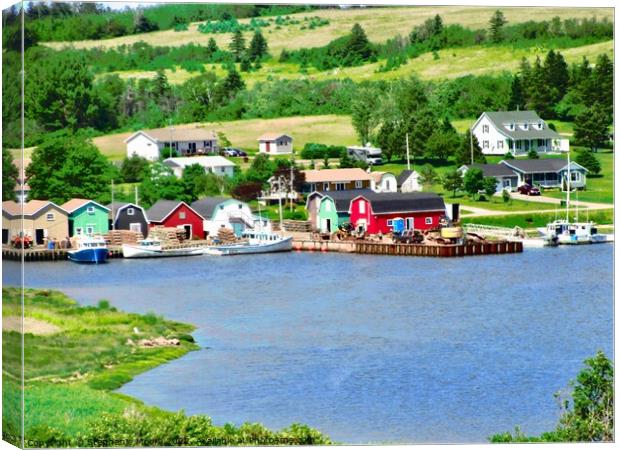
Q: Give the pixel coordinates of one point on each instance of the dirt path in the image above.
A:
(34, 326)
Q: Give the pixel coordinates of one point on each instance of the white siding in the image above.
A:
(280, 146)
(143, 146)
(490, 140)
(411, 184)
(223, 213)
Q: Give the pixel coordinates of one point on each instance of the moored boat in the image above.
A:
(89, 249)
(151, 248)
(256, 242)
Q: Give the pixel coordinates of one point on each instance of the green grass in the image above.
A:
(536, 220)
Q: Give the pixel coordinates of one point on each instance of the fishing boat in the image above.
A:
(89, 249)
(569, 232)
(151, 248)
(254, 242)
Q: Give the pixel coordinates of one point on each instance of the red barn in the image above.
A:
(396, 211)
(172, 213)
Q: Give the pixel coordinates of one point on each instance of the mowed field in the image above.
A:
(379, 24)
(328, 129)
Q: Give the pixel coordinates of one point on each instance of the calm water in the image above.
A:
(365, 348)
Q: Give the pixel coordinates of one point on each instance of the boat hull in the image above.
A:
(134, 251)
(89, 255)
(283, 245)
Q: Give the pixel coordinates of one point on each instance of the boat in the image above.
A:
(255, 242)
(89, 249)
(151, 248)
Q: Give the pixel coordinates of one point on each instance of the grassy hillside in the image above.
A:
(336, 130)
(379, 24)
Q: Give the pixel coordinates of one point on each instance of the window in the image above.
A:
(362, 207)
(90, 230)
(500, 144)
(135, 227)
(428, 221)
(540, 125)
(182, 215)
(541, 142)
(358, 184)
(485, 128)
(387, 185)
(525, 126)
(130, 211)
(409, 223)
(512, 126)
(340, 186)
(49, 217)
(575, 176)
(222, 169)
(78, 231)
(240, 206)
(485, 144)
(390, 223)
(326, 186)
(328, 206)
(90, 210)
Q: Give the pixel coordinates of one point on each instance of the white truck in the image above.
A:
(368, 154)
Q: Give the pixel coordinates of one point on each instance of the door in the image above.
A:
(136, 227)
(398, 225)
(39, 235)
(238, 228)
(5, 236)
(188, 231)
(71, 228)
(328, 225)
(267, 145)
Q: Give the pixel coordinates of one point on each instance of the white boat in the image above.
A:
(256, 242)
(151, 248)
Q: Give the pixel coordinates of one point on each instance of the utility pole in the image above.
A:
(407, 143)
(471, 144)
(280, 199)
(171, 131)
(136, 195)
(291, 177)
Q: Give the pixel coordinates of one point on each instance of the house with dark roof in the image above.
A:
(387, 212)
(547, 172)
(517, 132)
(507, 178)
(184, 140)
(222, 212)
(173, 213)
(128, 216)
(408, 181)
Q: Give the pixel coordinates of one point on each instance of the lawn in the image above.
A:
(328, 129)
(536, 220)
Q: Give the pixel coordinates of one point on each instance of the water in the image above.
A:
(365, 348)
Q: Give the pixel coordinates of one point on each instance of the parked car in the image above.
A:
(241, 153)
(230, 151)
(408, 237)
(528, 189)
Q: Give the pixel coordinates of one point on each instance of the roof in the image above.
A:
(394, 202)
(204, 161)
(177, 134)
(76, 203)
(30, 208)
(499, 118)
(492, 170)
(334, 175)
(342, 199)
(404, 175)
(541, 165)
(206, 206)
(163, 208)
(272, 136)
(377, 176)
(115, 207)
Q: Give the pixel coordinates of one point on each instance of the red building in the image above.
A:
(172, 213)
(396, 211)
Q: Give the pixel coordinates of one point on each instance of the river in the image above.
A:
(365, 348)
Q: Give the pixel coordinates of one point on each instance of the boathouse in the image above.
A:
(128, 216)
(334, 209)
(86, 217)
(396, 211)
(313, 201)
(222, 212)
(172, 213)
(42, 220)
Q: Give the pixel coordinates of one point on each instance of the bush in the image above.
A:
(321, 151)
(587, 159)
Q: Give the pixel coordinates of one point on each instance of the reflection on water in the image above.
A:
(365, 348)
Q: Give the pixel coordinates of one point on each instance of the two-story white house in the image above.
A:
(222, 212)
(217, 165)
(149, 144)
(517, 132)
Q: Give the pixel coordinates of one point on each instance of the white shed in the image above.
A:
(275, 144)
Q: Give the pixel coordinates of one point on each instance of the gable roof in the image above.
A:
(204, 161)
(30, 208)
(491, 170)
(177, 134)
(403, 176)
(378, 176)
(396, 202)
(273, 136)
(541, 165)
(116, 208)
(76, 203)
(499, 118)
(206, 206)
(335, 175)
(160, 211)
(342, 199)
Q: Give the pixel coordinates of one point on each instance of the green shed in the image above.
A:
(334, 209)
(86, 217)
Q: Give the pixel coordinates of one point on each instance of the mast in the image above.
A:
(112, 190)
(136, 194)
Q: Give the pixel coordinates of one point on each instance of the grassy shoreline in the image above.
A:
(70, 374)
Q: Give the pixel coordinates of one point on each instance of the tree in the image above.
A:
(258, 46)
(603, 79)
(232, 84)
(532, 154)
(65, 167)
(442, 145)
(473, 181)
(556, 75)
(489, 185)
(193, 180)
(134, 168)
(452, 181)
(10, 176)
(428, 175)
(592, 128)
(223, 140)
(143, 24)
(161, 183)
(391, 139)
(496, 24)
(261, 169)
(358, 45)
(237, 45)
(517, 96)
(212, 46)
(463, 152)
(247, 191)
(364, 114)
(587, 159)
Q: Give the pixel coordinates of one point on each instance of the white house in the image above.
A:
(547, 172)
(408, 181)
(275, 144)
(212, 164)
(507, 178)
(384, 182)
(184, 141)
(222, 212)
(516, 132)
